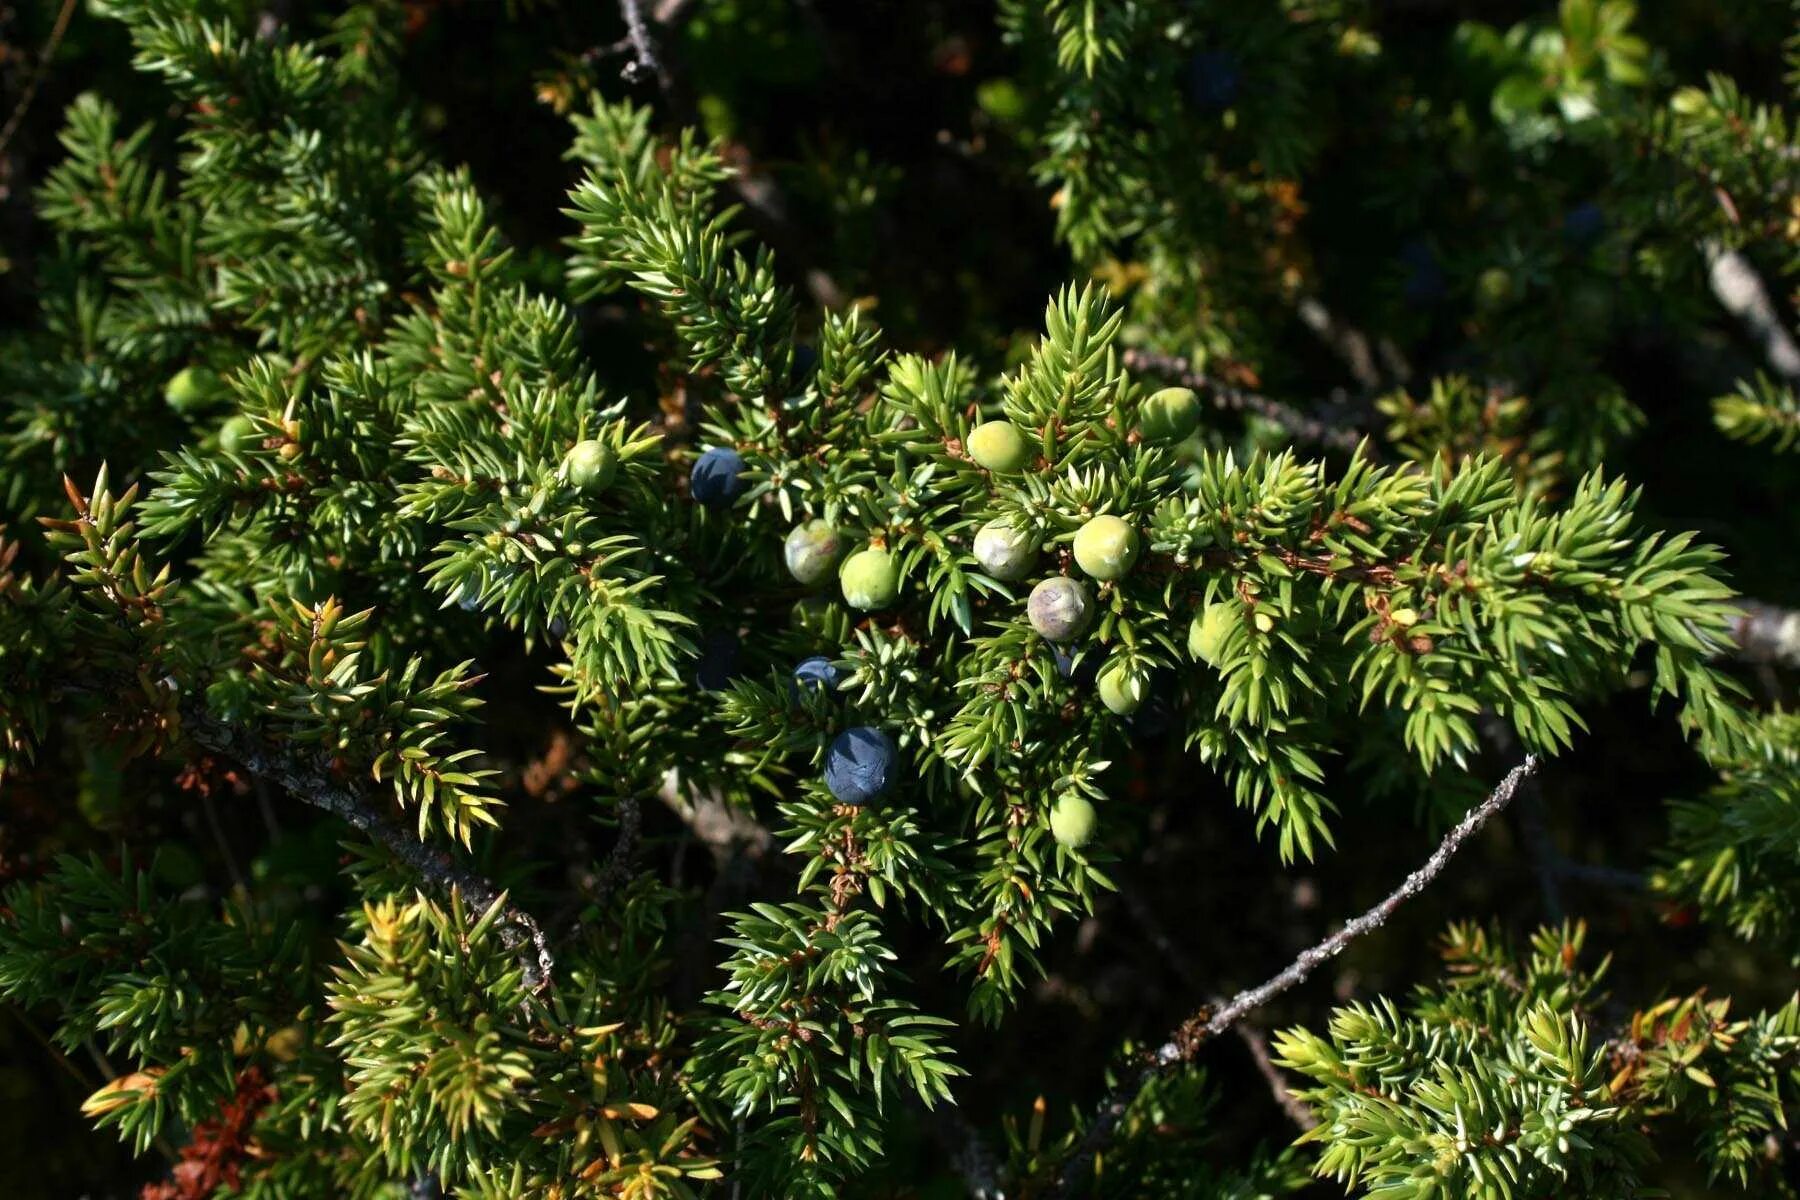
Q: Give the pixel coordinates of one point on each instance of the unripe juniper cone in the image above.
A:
(859, 766)
(718, 477)
(1206, 636)
(239, 433)
(1006, 553)
(590, 466)
(1072, 820)
(819, 673)
(870, 579)
(192, 389)
(811, 551)
(1059, 608)
(1122, 688)
(1106, 547)
(1169, 415)
(999, 446)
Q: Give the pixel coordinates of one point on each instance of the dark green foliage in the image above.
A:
(409, 561)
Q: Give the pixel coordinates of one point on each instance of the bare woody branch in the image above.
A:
(1767, 634)
(308, 778)
(1208, 1023)
(1743, 294)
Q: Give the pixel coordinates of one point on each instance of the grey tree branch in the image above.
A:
(644, 58)
(968, 1155)
(1183, 966)
(1767, 634)
(1348, 342)
(1210, 1022)
(1742, 293)
(39, 69)
(308, 778)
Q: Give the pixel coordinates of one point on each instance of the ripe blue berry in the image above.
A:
(1074, 666)
(718, 477)
(1583, 224)
(1059, 608)
(859, 767)
(718, 661)
(820, 672)
(1213, 80)
(1425, 281)
(1004, 552)
(811, 551)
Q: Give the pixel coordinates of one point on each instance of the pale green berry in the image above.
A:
(239, 433)
(811, 551)
(1493, 288)
(870, 579)
(1004, 552)
(1206, 636)
(590, 466)
(1169, 415)
(1072, 820)
(1059, 608)
(1122, 687)
(1106, 547)
(999, 446)
(192, 389)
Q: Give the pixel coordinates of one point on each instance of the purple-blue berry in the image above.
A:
(1583, 224)
(821, 673)
(1214, 78)
(718, 661)
(1425, 281)
(1075, 666)
(718, 477)
(860, 765)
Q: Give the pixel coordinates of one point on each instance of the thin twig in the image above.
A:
(1349, 343)
(645, 59)
(1333, 434)
(309, 779)
(968, 1155)
(38, 73)
(1177, 959)
(211, 812)
(1210, 1022)
(1258, 1044)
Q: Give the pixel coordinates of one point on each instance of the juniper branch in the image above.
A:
(1208, 1023)
(309, 780)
